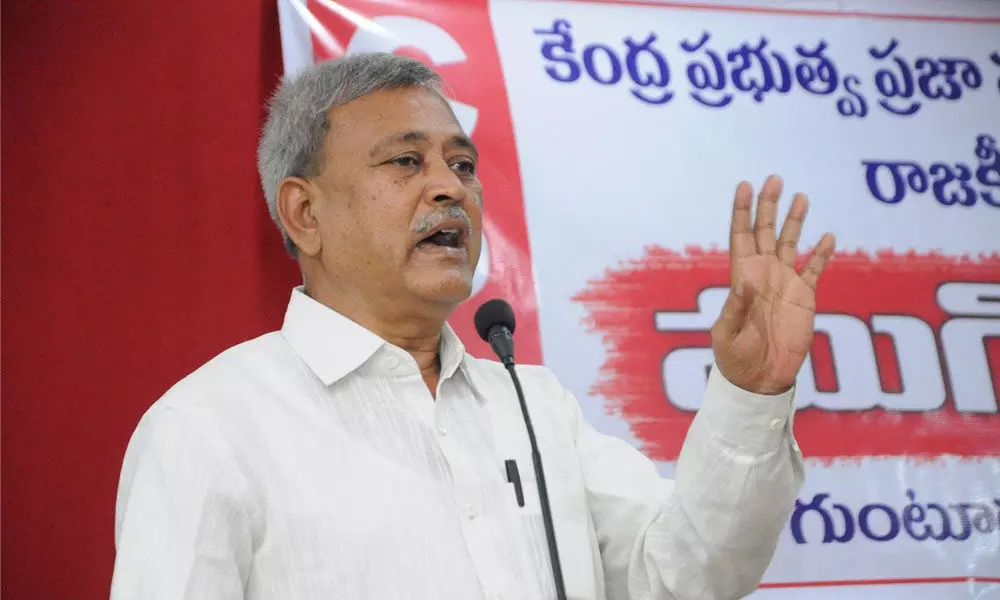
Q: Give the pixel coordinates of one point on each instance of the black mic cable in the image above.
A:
(495, 324)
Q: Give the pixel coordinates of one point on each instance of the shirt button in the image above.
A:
(391, 363)
(442, 430)
(470, 511)
(775, 423)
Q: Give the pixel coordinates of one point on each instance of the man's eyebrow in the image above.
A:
(463, 141)
(460, 140)
(396, 138)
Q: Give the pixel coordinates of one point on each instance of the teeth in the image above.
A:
(450, 231)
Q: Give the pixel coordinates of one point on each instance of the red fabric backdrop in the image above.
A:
(135, 246)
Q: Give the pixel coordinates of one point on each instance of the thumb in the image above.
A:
(735, 310)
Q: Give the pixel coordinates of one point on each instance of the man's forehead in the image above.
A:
(394, 107)
(400, 116)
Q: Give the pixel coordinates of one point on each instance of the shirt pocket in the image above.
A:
(571, 521)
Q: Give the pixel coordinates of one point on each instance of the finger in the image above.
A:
(788, 242)
(767, 212)
(735, 311)
(741, 242)
(816, 262)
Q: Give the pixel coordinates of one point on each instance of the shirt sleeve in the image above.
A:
(711, 532)
(183, 516)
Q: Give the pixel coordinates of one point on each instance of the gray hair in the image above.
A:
(297, 122)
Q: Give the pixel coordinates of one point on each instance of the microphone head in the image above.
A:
(493, 312)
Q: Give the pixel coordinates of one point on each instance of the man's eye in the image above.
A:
(406, 161)
(466, 167)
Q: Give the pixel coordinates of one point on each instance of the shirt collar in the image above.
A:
(333, 346)
(452, 352)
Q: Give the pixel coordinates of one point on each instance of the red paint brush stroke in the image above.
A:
(621, 308)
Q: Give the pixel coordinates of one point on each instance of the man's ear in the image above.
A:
(297, 200)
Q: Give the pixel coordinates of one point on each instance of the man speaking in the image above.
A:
(360, 452)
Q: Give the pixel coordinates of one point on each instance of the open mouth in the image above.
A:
(451, 234)
(446, 238)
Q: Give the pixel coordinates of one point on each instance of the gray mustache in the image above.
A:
(429, 221)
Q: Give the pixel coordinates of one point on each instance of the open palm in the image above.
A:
(765, 329)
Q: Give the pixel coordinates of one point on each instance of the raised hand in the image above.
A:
(765, 329)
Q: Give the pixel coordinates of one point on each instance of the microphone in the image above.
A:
(495, 324)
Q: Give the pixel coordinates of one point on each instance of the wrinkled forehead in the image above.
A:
(393, 114)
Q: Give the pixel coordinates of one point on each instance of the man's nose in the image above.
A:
(445, 186)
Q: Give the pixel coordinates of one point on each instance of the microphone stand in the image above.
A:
(543, 493)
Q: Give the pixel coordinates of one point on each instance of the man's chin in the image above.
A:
(446, 288)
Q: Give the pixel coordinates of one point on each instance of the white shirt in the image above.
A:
(313, 463)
